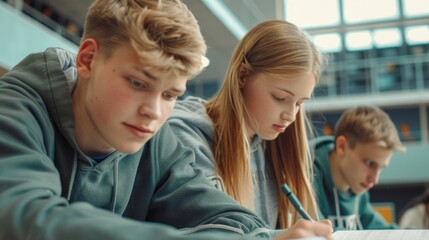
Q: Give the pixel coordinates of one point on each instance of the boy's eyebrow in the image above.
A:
(154, 78)
(146, 73)
(381, 166)
(179, 91)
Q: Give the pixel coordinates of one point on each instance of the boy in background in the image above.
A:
(349, 164)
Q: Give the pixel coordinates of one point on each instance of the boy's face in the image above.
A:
(273, 102)
(359, 168)
(122, 102)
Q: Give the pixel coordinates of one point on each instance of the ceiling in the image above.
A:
(219, 39)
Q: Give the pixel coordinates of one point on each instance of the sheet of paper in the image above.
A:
(393, 234)
(310, 238)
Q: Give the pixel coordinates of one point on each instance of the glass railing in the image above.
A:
(25, 36)
(67, 31)
(60, 24)
(375, 76)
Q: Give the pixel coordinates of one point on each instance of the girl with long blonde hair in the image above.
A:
(250, 138)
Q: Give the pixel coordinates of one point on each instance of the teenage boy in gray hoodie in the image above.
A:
(348, 165)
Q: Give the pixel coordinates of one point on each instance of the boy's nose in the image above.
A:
(151, 108)
(374, 176)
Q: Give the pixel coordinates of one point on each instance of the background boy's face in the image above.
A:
(124, 105)
(360, 167)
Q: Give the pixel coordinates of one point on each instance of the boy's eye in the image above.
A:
(370, 163)
(136, 83)
(169, 96)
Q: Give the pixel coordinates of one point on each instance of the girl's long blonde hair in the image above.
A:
(274, 47)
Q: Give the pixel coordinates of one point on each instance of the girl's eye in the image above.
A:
(136, 83)
(278, 98)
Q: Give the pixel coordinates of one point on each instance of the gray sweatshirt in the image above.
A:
(50, 190)
(194, 129)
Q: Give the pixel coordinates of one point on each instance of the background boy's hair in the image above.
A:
(164, 33)
(368, 124)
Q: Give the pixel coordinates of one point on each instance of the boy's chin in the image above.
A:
(359, 191)
(131, 149)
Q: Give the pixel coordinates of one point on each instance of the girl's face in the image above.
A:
(274, 101)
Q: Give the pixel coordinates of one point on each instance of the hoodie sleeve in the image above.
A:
(183, 186)
(370, 219)
(31, 206)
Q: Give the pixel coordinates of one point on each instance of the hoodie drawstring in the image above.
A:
(337, 209)
(72, 177)
(356, 213)
(115, 184)
(115, 181)
(359, 224)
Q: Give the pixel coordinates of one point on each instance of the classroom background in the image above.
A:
(378, 54)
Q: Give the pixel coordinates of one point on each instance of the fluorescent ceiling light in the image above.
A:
(222, 12)
(330, 42)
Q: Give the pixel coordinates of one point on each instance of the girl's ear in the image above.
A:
(87, 51)
(243, 72)
(340, 145)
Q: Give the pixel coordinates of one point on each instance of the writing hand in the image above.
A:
(305, 228)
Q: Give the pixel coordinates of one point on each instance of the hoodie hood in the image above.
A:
(51, 81)
(192, 111)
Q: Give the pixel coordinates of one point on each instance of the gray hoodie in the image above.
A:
(49, 189)
(346, 210)
(194, 129)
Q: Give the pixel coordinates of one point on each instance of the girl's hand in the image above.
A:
(304, 228)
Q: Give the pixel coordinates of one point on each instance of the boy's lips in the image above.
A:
(366, 185)
(139, 131)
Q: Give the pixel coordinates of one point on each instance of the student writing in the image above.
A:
(250, 137)
(84, 152)
(349, 164)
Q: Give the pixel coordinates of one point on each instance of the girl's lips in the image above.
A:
(279, 128)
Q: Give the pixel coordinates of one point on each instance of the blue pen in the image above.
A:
(292, 198)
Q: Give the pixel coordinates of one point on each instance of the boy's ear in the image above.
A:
(243, 72)
(340, 145)
(87, 51)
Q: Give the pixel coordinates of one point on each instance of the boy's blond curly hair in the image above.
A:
(164, 33)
